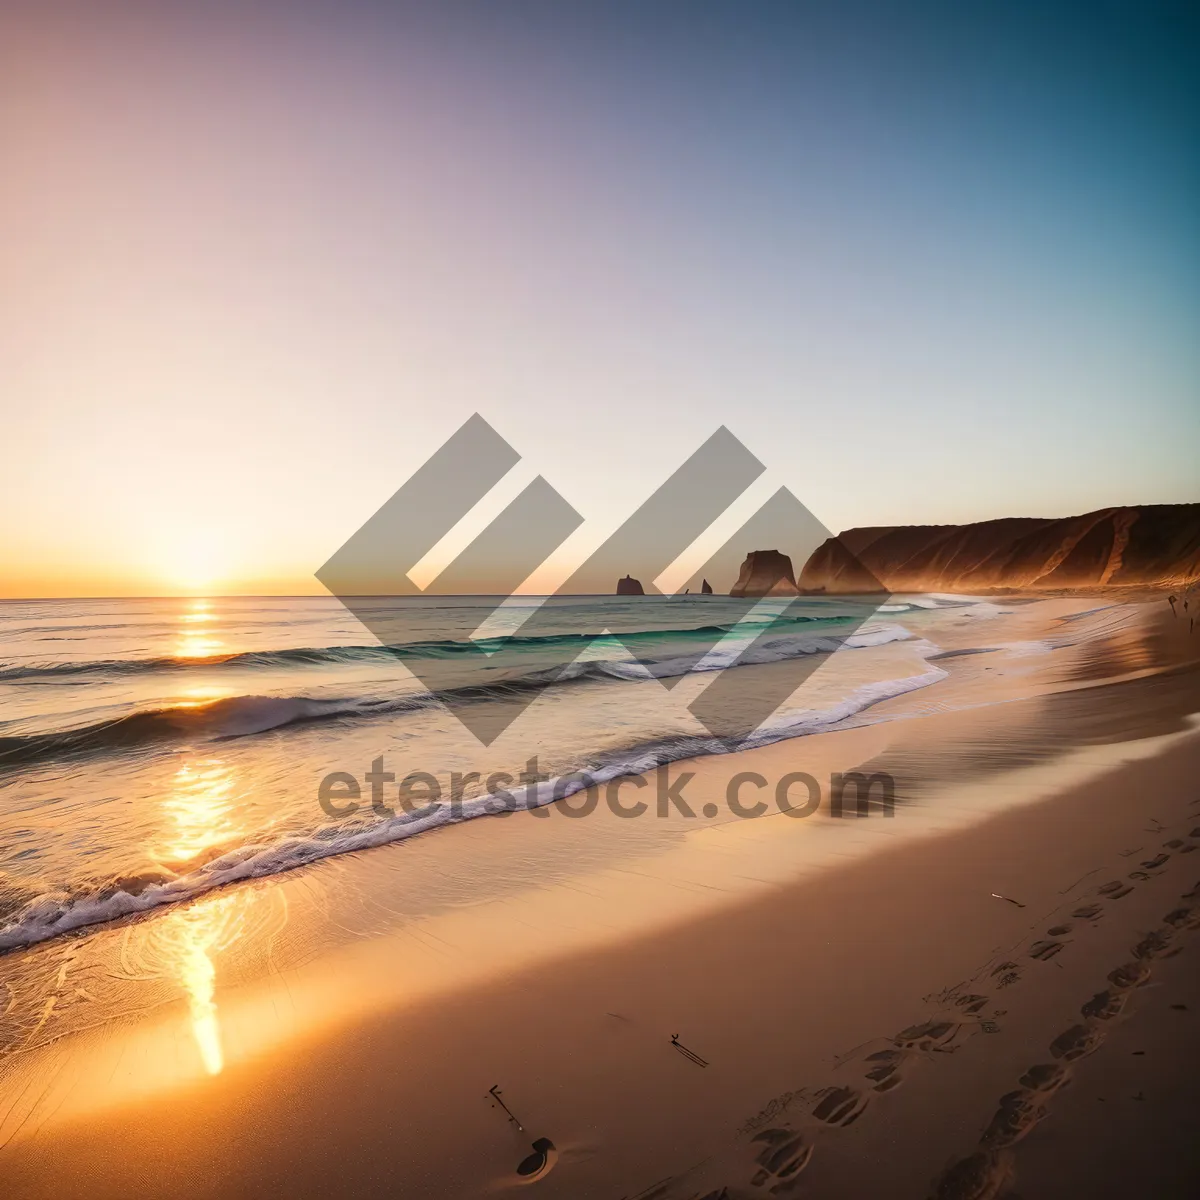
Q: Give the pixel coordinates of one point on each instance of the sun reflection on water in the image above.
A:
(198, 697)
(193, 645)
(192, 937)
(193, 642)
(186, 944)
(200, 807)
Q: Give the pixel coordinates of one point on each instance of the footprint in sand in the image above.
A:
(1006, 973)
(884, 1074)
(783, 1155)
(840, 1106)
(1018, 1113)
(1154, 945)
(1129, 975)
(971, 1003)
(1103, 1006)
(1153, 864)
(1060, 930)
(1140, 876)
(1183, 918)
(1175, 844)
(1046, 1078)
(1045, 950)
(980, 1176)
(1116, 890)
(929, 1035)
(540, 1162)
(1076, 1042)
(1089, 912)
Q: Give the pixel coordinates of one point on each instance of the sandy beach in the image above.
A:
(932, 1003)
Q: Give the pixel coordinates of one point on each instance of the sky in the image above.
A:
(931, 263)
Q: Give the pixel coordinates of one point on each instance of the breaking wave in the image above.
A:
(35, 918)
(243, 716)
(317, 656)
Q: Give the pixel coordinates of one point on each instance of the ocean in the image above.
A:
(152, 750)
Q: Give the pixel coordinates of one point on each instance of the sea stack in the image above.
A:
(766, 573)
(705, 588)
(629, 587)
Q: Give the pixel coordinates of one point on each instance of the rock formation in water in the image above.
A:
(1146, 545)
(705, 588)
(765, 573)
(630, 587)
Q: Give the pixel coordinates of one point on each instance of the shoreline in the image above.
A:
(786, 985)
(571, 1041)
(151, 889)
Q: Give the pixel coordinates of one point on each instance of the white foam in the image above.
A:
(55, 913)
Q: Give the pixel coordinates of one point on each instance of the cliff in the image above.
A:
(765, 573)
(630, 587)
(1147, 545)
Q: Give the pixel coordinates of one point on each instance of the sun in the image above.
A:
(194, 564)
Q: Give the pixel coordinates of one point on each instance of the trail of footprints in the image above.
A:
(983, 1174)
(781, 1152)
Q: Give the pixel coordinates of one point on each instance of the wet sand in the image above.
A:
(926, 1004)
